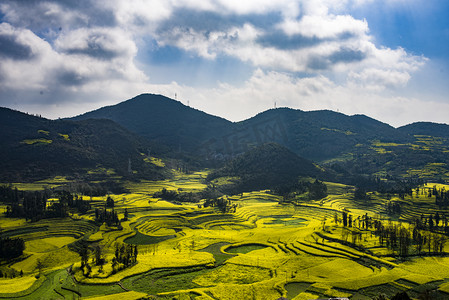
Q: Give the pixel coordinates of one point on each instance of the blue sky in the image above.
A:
(387, 59)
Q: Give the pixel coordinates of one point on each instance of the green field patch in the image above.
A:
(345, 132)
(380, 144)
(143, 239)
(157, 162)
(46, 132)
(101, 171)
(285, 220)
(227, 226)
(23, 231)
(90, 290)
(64, 136)
(36, 141)
(245, 248)
(219, 256)
(233, 274)
(429, 170)
(165, 280)
(225, 180)
(381, 150)
(388, 289)
(131, 295)
(295, 288)
(48, 244)
(42, 288)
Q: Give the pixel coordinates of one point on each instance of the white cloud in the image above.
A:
(378, 80)
(53, 76)
(260, 92)
(327, 26)
(92, 60)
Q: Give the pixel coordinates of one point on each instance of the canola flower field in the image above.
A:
(263, 250)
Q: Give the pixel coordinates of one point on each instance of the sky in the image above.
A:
(387, 59)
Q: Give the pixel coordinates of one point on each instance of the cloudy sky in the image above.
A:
(388, 59)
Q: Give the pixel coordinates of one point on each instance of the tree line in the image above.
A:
(11, 247)
(33, 205)
(125, 255)
(423, 235)
(223, 204)
(315, 190)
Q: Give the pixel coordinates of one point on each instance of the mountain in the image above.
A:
(426, 128)
(316, 135)
(36, 148)
(267, 166)
(350, 145)
(164, 120)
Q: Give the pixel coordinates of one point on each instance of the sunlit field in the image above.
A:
(264, 249)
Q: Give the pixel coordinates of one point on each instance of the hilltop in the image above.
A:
(267, 166)
(163, 120)
(316, 135)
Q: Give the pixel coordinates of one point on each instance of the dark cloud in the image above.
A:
(280, 40)
(10, 48)
(40, 17)
(318, 63)
(70, 78)
(213, 21)
(346, 55)
(94, 50)
(343, 55)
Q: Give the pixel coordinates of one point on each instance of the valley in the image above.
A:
(265, 249)
(155, 200)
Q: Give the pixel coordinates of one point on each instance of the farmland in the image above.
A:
(264, 249)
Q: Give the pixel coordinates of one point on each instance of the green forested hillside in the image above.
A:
(164, 120)
(267, 166)
(35, 148)
(351, 145)
(426, 128)
(321, 135)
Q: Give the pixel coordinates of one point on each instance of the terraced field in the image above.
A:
(264, 250)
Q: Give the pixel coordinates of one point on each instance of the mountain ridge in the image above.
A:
(141, 115)
(170, 122)
(357, 144)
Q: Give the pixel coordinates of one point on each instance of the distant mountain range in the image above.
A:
(109, 136)
(317, 135)
(350, 144)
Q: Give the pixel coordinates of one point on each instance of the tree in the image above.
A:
(11, 247)
(109, 202)
(39, 266)
(437, 219)
(84, 256)
(360, 194)
(345, 219)
(317, 190)
(99, 260)
(430, 222)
